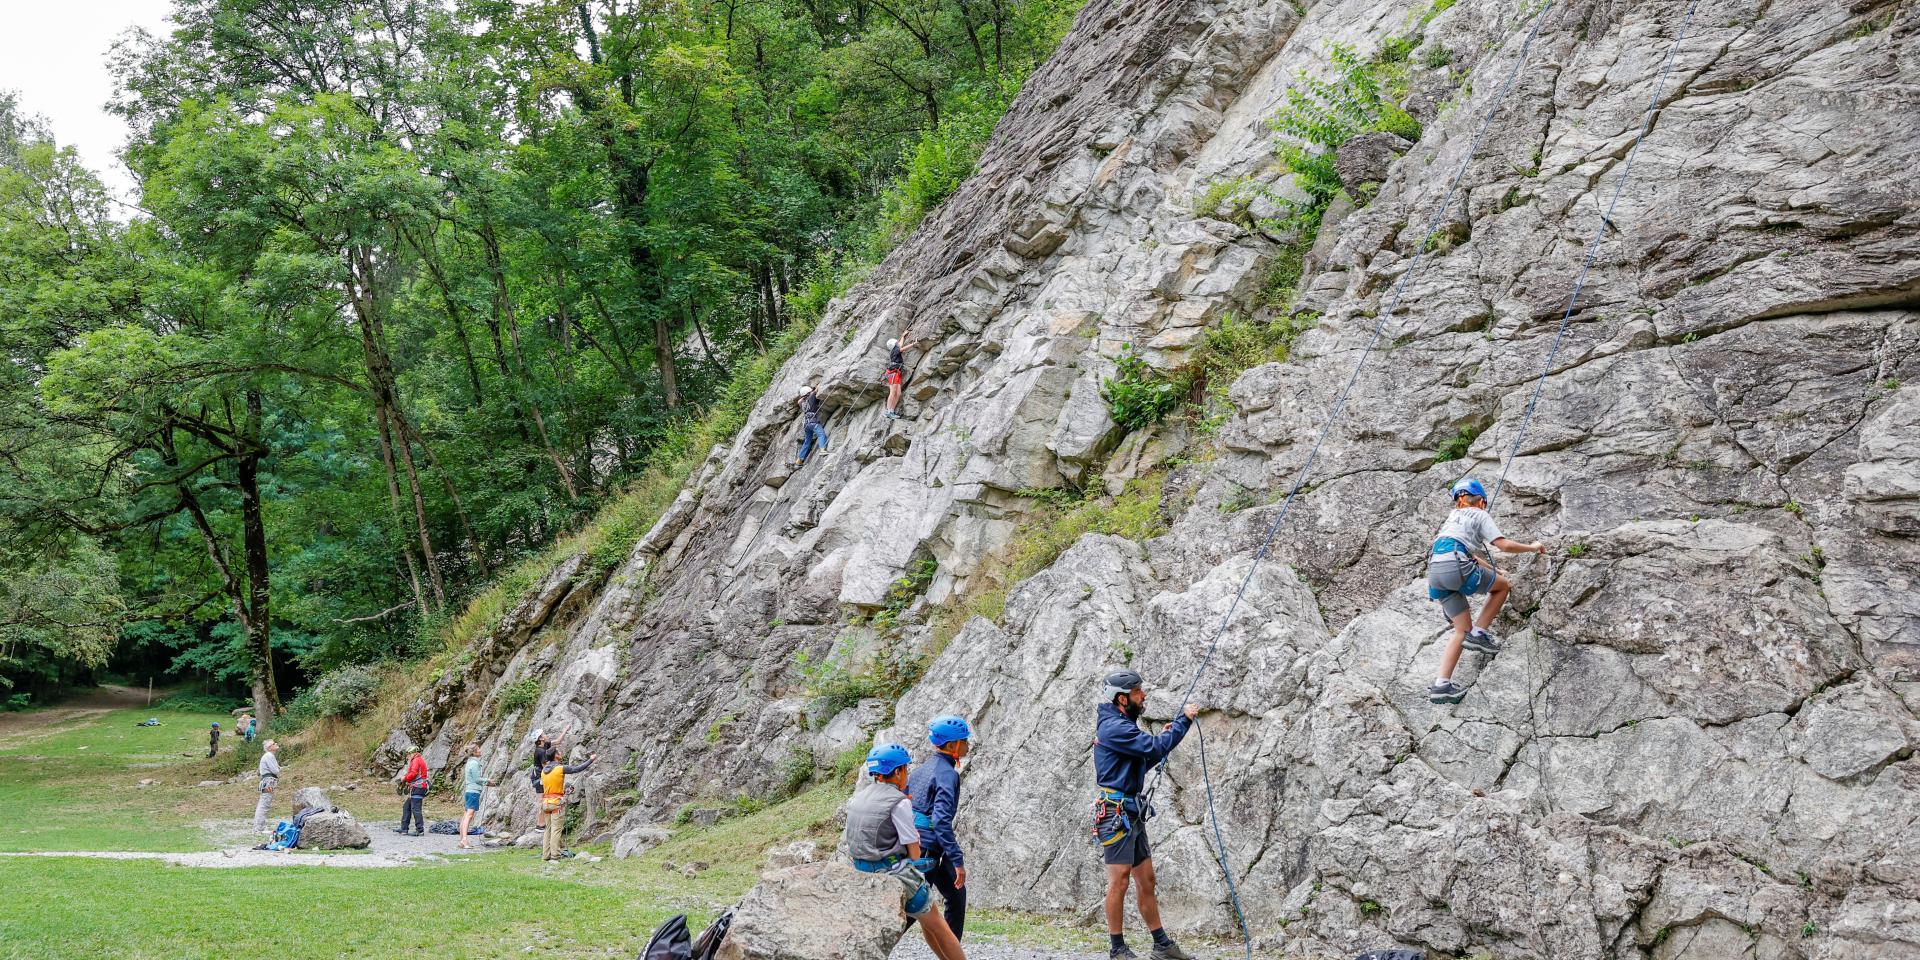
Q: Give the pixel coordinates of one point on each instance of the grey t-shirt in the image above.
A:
(1473, 528)
(269, 767)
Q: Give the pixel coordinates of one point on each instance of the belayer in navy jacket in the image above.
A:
(1123, 753)
(935, 789)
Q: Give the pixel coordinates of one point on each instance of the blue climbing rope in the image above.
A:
(1593, 247)
(1313, 456)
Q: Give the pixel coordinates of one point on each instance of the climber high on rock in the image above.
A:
(813, 436)
(1459, 567)
(1122, 755)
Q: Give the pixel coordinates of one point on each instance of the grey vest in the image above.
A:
(870, 831)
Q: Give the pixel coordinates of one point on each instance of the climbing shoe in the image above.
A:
(1482, 641)
(1446, 691)
(1169, 951)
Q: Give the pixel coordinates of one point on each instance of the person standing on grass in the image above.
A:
(269, 779)
(543, 754)
(474, 781)
(414, 780)
(213, 740)
(553, 801)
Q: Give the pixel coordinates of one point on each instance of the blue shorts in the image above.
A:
(1452, 578)
(920, 902)
(473, 800)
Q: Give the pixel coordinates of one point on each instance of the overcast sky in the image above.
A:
(54, 52)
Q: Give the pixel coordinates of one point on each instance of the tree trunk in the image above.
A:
(259, 624)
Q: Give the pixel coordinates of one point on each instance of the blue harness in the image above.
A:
(1470, 585)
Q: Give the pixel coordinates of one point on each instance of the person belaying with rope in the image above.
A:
(881, 838)
(1122, 755)
(896, 372)
(1460, 566)
(813, 436)
(935, 789)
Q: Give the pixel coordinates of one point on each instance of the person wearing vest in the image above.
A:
(553, 801)
(413, 780)
(1459, 566)
(1122, 755)
(881, 838)
(544, 751)
(935, 789)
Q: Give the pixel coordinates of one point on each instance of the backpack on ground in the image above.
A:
(672, 942)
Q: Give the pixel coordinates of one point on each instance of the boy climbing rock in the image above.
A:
(812, 435)
(882, 838)
(1459, 567)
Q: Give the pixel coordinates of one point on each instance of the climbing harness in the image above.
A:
(1313, 456)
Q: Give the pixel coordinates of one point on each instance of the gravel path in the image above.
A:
(914, 947)
(236, 839)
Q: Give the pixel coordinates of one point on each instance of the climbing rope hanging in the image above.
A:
(1379, 329)
(1593, 247)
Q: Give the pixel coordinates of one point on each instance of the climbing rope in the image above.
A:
(1593, 247)
(1533, 400)
(1313, 456)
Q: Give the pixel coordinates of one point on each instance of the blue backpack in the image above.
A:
(286, 836)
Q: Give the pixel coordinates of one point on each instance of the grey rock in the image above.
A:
(311, 797)
(333, 831)
(1367, 158)
(639, 840)
(1699, 741)
(817, 911)
(792, 855)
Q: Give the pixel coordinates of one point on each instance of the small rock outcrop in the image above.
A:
(1368, 157)
(306, 797)
(333, 831)
(817, 911)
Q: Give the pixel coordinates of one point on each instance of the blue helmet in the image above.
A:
(1469, 485)
(883, 760)
(948, 729)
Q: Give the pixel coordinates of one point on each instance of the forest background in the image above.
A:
(415, 289)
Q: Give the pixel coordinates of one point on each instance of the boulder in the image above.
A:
(639, 840)
(1367, 157)
(817, 911)
(311, 797)
(333, 831)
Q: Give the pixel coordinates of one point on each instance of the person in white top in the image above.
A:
(1459, 566)
(269, 779)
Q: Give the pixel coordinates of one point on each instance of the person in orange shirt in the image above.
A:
(553, 801)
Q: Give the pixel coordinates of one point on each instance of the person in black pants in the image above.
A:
(935, 789)
(414, 780)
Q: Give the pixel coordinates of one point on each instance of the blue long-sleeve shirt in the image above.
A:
(1123, 753)
(935, 788)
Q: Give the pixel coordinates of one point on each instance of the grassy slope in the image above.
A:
(54, 795)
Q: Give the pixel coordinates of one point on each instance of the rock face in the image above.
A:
(333, 831)
(1700, 740)
(817, 911)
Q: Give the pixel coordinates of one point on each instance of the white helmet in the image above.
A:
(806, 390)
(892, 343)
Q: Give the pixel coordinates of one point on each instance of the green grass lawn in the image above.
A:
(75, 787)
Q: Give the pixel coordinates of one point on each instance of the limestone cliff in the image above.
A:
(1700, 740)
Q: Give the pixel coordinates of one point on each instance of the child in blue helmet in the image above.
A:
(1460, 566)
(881, 838)
(935, 789)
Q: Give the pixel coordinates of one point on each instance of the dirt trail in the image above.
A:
(18, 728)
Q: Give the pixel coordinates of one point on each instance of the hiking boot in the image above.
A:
(1482, 641)
(400, 830)
(419, 833)
(1446, 691)
(1122, 952)
(1169, 951)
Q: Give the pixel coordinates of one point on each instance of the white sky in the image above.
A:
(54, 53)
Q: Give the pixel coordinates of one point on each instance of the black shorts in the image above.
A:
(1122, 837)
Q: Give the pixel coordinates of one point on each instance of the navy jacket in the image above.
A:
(1123, 753)
(935, 788)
